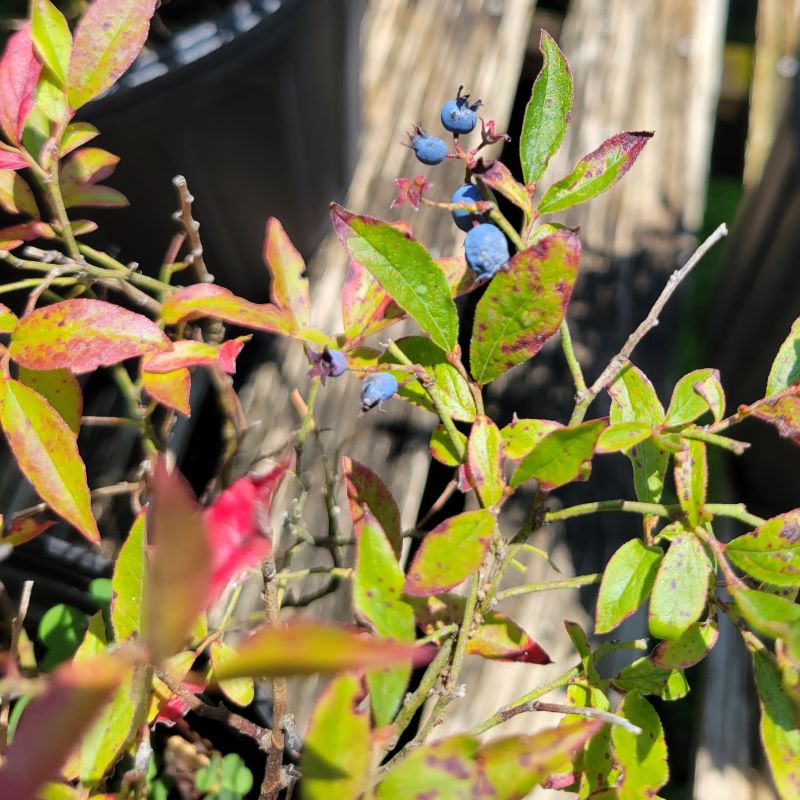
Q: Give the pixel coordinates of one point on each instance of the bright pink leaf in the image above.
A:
(171, 389)
(108, 38)
(238, 524)
(175, 708)
(9, 160)
(81, 335)
(186, 353)
(208, 300)
(19, 72)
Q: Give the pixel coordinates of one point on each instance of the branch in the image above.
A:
(192, 228)
(581, 711)
(567, 583)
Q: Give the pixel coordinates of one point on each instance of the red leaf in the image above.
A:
(171, 389)
(237, 522)
(108, 38)
(208, 300)
(11, 160)
(175, 708)
(19, 72)
(15, 235)
(24, 529)
(410, 190)
(186, 353)
(81, 335)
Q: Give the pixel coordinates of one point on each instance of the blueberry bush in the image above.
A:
(85, 721)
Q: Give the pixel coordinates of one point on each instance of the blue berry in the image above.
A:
(376, 388)
(327, 364)
(458, 116)
(429, 149)
(486, 249)
(468, 193)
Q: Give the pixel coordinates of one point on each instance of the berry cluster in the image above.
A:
(485, 246)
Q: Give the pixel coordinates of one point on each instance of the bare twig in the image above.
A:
(192, 228)
(608, 375)
(581, 711)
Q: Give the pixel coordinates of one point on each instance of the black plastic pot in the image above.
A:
(259, 109)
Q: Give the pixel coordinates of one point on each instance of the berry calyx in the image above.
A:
(486, 249)
(327, 364)
(429, 149)
(458, 116)
(376, 388)
(468, 193)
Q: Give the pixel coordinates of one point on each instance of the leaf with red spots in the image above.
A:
(560, 456)
(24, 529)
(779, 726)
(19, 73)
(336, 749)
(304, 647)
(499, 178)
(770, 553)
(180, 563)
(238, 524)
(186, 353)
(47, 453)
(680, 589)
(108, 38)
(484, 460)
(366, 492)
(81, 335)
(172, 389)
(691, 480)
(403, 268)
(289, 288)
(521, 435)
(512, 766)
(783, 413)
(61, 389)
(595, 172)
(524, 305)
(450, 553)
(377, 601)
(54, 721)
(209, 300)
(690, 648)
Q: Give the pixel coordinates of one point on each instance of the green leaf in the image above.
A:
(51, 38)
(512, 766)
(483, 460)
(770, 553)
(366, 492)
(61, 630)
(524, 305)
(444, 770)
(771, 616)
(288, 288)
(548, 111)
(691, 647)
(559, 457)
(680, 589)
(108, 38)
(61, 389)
(623, 436)
(235, 775)
(129, 583)
(626, 584)
(450, 553)
(404, 268)
(77, 134)
(179, 578)
(47, 453)
(303, 648)
(377, 589)
(691, 396)
(442, 448)
(239, 690)
(8, 319)
(633, 399)
(456, 397)
(780, 727)
(691, 480)
(786, 367)
(82, 335)
(642, 756)
(595, 172)
(522, 435)
(16, 196)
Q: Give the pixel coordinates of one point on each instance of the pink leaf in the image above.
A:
(9, 160)
(238, 523)
(16, 235)
(186, 353)
(19, 72)
(175, 708)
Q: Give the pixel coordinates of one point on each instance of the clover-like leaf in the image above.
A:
(548, 111)
(524, 305)
(595, 172)
(404, 268)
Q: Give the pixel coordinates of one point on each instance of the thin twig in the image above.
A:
(438, 503)
(567, 583)
(102, 491)
(608, 375)
(192, 228)
(582, 711)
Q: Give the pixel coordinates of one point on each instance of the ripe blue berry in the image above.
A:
(458, 116)
(468, 193)
(429, 149)
(486, 249)
(376, 388)
(327, 364)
